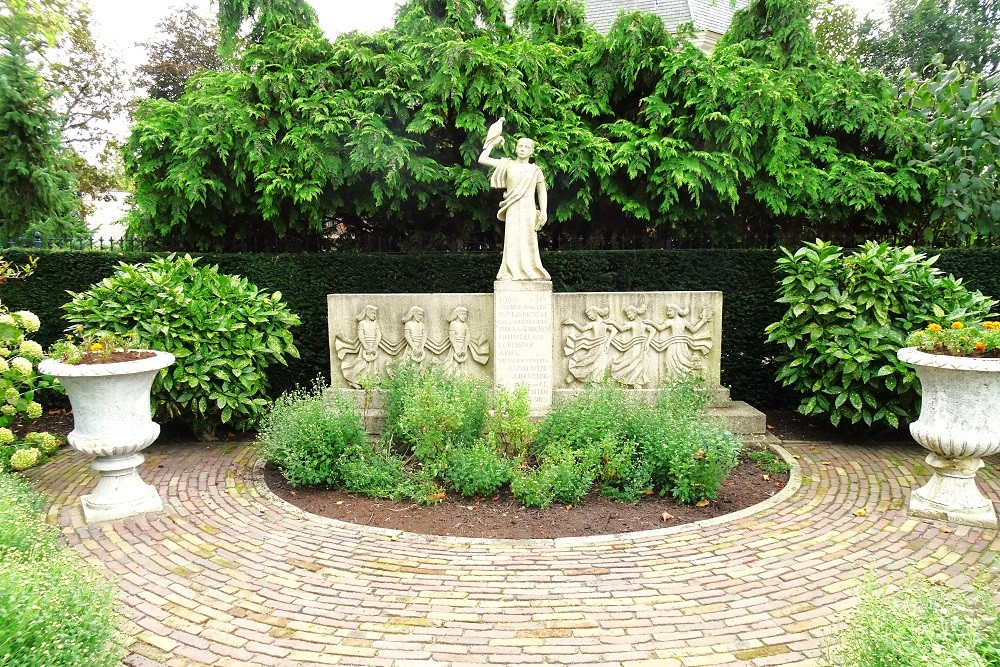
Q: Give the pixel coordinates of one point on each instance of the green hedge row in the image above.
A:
(745, 277)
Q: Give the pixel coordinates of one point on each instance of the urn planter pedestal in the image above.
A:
(112, 422)
(959, 424)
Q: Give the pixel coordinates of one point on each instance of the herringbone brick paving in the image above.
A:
(229, 575)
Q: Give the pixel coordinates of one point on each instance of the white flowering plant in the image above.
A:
(19, 357)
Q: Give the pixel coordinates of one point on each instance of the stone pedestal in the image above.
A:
(522, 317)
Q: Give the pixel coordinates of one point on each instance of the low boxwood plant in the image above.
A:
(222, 329)
(919, 624)
(848, 314)
(55, 611)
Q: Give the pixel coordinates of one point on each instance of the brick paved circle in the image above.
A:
(228, 574)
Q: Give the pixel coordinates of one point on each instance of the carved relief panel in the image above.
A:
(642, 340)
(371, 334)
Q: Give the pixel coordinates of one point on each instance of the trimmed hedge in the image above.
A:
(746, 278)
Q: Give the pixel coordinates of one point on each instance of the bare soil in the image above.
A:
(503, 517)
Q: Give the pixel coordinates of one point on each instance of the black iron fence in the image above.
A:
(480, 242)
(37, 240)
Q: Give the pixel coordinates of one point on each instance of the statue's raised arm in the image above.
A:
(523, 185)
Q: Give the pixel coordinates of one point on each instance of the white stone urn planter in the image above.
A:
(112, 421)
(959, 423)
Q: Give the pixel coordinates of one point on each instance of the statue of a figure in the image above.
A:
(523, 182)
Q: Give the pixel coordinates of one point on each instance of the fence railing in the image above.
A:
(481, 242)
(125, 243)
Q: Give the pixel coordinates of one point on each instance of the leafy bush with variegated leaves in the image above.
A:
(847, 316)
(223, 331)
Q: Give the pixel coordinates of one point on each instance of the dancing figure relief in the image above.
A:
(687, 343)
(371, 354)
(635, 352)
(589, 351)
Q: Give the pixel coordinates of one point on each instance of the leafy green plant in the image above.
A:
(686, 455)
(768, 461)
(55, 611)
(306, 434)
(848, 315)
(90, 347)
(430, 413)
(19, 357)
(223, 331)
(373, 470)
(919, 624)
(478, 470)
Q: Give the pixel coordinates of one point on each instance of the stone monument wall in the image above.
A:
(372, 333)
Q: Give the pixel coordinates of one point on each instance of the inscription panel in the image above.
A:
(523, 338)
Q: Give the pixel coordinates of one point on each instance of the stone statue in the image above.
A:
(635, 368)
(523, 182)
(366, 347)
(415, 335)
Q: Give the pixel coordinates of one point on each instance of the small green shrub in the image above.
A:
(429, 413)
(55, 611)
(222, 329)
(686, 455)
(306, 434)
(372, 470)
(532, 489)
(920, 624)
(478, 470)
(507, 425)
(848, 315)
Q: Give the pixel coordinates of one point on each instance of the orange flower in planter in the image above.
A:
(991, 326)
(980, 346)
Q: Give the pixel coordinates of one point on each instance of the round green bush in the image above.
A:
(847, 316)
(307, 433)
(223, 331)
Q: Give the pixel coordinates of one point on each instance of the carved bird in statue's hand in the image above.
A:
(493, 135)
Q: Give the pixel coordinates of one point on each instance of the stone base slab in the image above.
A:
(953, 499)
(147, 501)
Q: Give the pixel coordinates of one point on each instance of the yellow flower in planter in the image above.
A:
(933, 327)
(957, 325)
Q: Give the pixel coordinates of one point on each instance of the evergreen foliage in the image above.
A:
(309, 139)
(37, 186)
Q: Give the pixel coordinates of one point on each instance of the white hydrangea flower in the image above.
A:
(8, 410)
(29, 320)
(6, 436)
(4, 352)
(7, 318)
(11, 395)
(34, 410)
(22, 366)
(30, 349)
(4, 366)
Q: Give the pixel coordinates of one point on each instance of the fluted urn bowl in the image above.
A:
(959, 424)
(112, 422)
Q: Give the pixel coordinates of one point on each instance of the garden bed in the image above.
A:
(503, 517)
